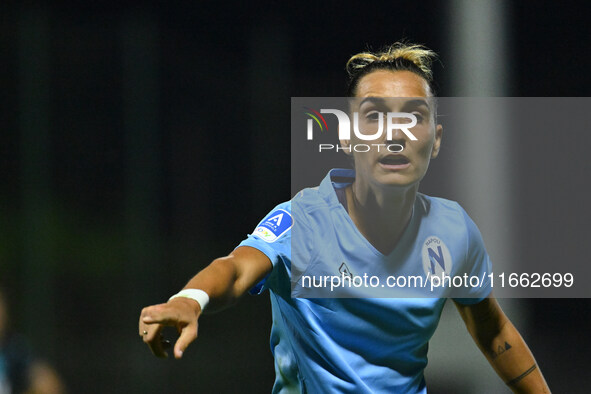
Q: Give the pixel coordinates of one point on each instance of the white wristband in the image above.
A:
(195, 294)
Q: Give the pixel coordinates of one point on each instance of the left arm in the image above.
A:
(503, 347)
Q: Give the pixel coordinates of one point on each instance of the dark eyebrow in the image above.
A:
(373, 100)
(416, 103)
(381, 101)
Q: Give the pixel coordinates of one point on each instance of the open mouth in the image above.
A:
(394, 161)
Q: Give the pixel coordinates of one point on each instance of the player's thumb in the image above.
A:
(188, 335)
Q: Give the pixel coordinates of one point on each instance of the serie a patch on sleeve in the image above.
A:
(274, 226)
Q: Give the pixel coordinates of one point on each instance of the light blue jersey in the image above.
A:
(358, 345)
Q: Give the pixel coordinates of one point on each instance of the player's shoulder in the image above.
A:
(303, 200)
(280, 219)
(309, 199)
(439, 205)
(439, 208)
(308, 195)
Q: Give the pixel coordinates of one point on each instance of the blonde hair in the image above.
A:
(398, 56)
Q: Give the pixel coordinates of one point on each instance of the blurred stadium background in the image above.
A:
(140, 140)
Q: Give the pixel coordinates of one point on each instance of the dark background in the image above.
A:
(141, 140)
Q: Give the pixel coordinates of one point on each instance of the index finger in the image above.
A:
(161, 314)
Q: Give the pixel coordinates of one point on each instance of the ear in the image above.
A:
(346, 144)
(437, 142)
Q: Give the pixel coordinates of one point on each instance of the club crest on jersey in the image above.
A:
(436, 257)
(274, 226)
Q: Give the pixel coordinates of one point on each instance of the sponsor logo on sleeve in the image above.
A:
(274, 226)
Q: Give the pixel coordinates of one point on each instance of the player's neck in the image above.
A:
(381, 215)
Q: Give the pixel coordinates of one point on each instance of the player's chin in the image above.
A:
(396, 181)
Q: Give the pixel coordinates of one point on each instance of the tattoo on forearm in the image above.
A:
(523, 375)
(500, 350)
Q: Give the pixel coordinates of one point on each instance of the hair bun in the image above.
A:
(421, 56)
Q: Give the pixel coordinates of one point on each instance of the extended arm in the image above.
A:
(225, 280)
(502, 345)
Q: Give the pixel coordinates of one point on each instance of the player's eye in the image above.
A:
(373, 115)
(419, 116)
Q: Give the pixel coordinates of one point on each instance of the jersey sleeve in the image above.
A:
(478, 264)
(272, 236)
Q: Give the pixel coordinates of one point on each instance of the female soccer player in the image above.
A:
(370, 217)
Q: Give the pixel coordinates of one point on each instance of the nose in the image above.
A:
(396, 136)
